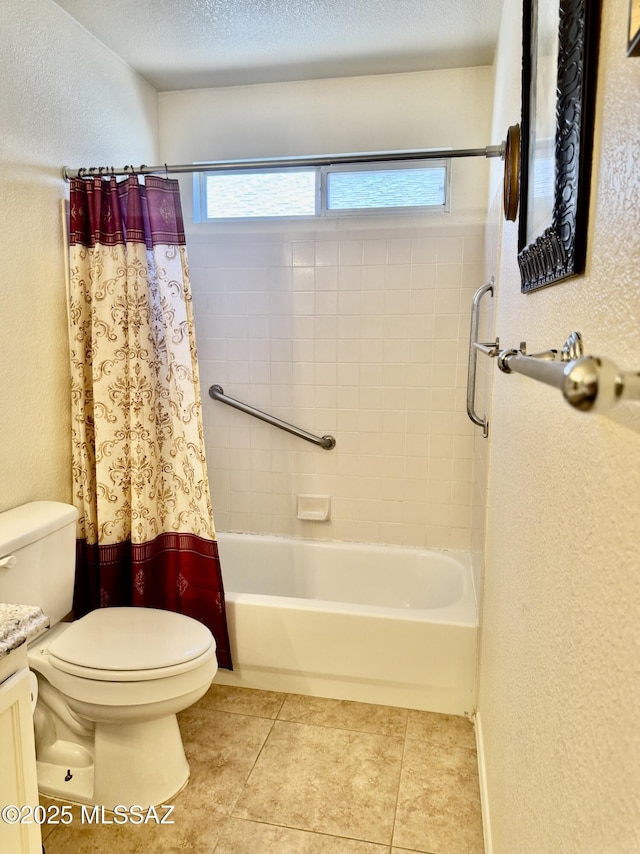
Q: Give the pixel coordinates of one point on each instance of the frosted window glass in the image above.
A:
(386, 188)
(261, 194)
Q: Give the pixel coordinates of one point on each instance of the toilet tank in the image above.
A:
(38, 556)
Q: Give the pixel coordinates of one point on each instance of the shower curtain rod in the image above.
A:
(275, 162)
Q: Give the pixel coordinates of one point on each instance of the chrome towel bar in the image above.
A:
(326, 442)
(588, 383)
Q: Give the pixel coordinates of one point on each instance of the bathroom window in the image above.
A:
(322, 191)
(258, 194)
(386, 187)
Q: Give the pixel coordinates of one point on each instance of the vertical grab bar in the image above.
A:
(473, 356)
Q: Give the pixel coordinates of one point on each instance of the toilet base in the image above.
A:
(64, 782)
(140, 764)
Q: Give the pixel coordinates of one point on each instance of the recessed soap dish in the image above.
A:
(314, 508)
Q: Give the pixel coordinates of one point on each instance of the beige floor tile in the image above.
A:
(243, 701)
(54, 816)
(321, 779)
(249, 837)
(195, 831)
(395, 850)
(446, 730)
(343, 714)
(221, 749)
(237, 735)
(331, 781)
(439, 801)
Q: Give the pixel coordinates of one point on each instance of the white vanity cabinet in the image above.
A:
(18, 782)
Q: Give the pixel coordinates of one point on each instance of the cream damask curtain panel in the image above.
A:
(146, 533)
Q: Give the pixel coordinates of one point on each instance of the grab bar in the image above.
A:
(326, 442)
(474, 346)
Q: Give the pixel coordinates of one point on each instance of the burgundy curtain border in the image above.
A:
(149, 213)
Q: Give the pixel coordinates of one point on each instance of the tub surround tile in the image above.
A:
(445, 730)
(331, 781)
(371, 291)
(343, 714)
(242, 701)
(250, 837)
(438, 807)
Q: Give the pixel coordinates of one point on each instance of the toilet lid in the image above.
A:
(131, 639)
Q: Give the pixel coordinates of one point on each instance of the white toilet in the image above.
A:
(109, 684)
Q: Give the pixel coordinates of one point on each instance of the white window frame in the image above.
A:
(321, 209)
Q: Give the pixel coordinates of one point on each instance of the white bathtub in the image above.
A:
(378, 624)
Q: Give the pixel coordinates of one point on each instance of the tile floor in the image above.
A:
(287, 774)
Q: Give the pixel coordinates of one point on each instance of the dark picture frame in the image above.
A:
(633, 39)
(560, 44)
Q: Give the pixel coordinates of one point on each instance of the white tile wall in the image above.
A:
(361, 333)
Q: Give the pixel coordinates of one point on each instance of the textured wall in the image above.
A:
(430, 109)
(64, 100)
(559, 689)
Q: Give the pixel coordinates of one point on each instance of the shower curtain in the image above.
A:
(145, 533)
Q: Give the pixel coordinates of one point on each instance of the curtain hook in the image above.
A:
(166, 171)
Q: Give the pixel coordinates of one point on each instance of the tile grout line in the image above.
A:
(321, 726)
(229, 815)
(258, 755)
(395, 809)
(342, 728)
(317, 833)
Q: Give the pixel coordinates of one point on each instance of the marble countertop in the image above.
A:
(19, 624)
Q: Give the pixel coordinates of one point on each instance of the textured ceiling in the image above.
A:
(190, 44)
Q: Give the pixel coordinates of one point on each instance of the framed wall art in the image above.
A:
(560, 45)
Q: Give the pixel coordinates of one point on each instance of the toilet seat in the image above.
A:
(131, 645)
